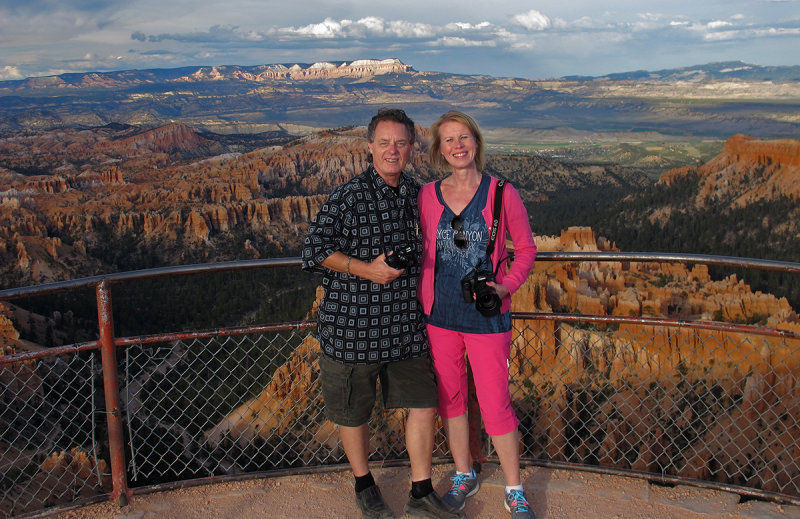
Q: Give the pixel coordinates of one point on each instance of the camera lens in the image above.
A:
(487, 302)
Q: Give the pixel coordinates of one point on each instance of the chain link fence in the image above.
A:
(654, 397)
(671, 401)
(52, 435)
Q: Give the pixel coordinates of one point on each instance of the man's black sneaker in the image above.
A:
(371, 503)
(431, 507)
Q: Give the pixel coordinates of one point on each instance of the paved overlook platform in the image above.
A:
(554, 494)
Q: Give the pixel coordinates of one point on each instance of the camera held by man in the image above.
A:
(401, 258)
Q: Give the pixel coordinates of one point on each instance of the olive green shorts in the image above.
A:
(349, 390)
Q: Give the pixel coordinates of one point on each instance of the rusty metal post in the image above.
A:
(108, 353)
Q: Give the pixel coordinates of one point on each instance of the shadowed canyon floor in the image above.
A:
(554, 494)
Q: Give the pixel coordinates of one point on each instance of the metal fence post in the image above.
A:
(120, 491)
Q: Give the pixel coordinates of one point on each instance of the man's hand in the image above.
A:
(379, 272)
(376, 270)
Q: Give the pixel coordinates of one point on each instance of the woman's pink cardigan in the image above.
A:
(514, 220)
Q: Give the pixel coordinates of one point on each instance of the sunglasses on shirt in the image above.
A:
(459, 238)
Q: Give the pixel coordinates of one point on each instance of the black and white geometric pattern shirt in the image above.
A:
(361, 322)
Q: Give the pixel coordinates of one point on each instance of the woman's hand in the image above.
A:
(501, 290)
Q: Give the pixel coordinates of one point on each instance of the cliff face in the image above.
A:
(174, 139)
(747, 170)
(166, 185)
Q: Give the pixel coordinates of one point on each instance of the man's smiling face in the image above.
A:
(391, 150)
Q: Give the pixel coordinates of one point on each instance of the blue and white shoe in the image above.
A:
(518, 505)
(464, 485)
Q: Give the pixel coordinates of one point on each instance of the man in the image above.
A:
(365, 242)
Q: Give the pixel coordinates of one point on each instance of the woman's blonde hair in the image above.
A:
(435, 151)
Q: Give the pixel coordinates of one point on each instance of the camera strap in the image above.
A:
(497, 211)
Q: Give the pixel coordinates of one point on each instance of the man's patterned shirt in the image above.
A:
(361, 322)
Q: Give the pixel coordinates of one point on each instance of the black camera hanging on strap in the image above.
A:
(473, 285)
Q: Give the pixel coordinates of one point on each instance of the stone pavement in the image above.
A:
(554, 494)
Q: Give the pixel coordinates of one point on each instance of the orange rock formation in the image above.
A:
(747, 170)
(319, 70)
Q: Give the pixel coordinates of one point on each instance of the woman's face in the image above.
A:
(457, 144)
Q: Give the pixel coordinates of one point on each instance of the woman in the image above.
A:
(457, 215)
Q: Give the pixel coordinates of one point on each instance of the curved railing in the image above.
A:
(676, 400)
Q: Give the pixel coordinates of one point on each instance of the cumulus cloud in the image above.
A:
(455, 41)
(747, 34)
(373, 28)
(403, 29)
(367, 27)
(716, 24)
(466, 26)
(59, 33)
(532, 20)
(372, 23)
(521, 32)
(327, 29)
(10, 72)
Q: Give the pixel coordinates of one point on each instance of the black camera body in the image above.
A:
(401, 258)
(474, 288)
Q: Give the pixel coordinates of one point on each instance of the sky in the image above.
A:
(525, 39)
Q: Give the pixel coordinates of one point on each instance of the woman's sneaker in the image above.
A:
(464, 485)
(518, 505)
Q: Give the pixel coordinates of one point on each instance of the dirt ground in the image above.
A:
(553, 493)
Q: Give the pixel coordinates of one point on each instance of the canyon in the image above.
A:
(118, 171)
(173, 186)
(183, 196)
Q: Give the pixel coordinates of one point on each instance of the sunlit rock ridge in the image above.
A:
(746, 171)
(259, 73)
(319, 70)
